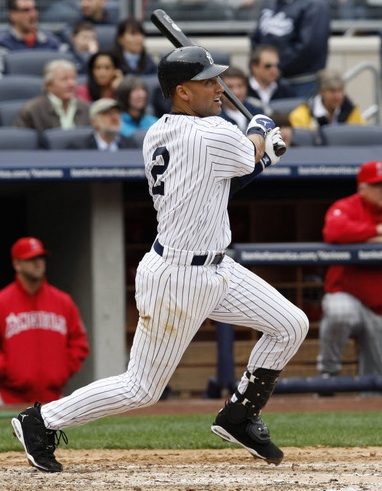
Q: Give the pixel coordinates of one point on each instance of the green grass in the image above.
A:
(192, 432)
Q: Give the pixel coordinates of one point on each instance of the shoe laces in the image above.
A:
(54, 438)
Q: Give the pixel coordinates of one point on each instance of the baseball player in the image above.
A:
(191, 158)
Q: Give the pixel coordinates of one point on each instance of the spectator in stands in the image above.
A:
(130, 48)
(352, 304)
(104, 76)
(282, 120)
(43, 341)
(98, 12)
(264, 81)
(236, 80)
(83, 44)
(105, 118)
(330, 106)
(133, 97)
(300, 29)
(23, 31)
(57, 107)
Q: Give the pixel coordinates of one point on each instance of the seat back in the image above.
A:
(105, 36)
(12, 138)
(16, 87)
(31, 62)
(9, 110)
(138, 137)
(303, 137)
(60, 139)
(350, 134)
(286, 104)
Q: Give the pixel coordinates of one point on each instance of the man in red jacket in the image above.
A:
(42, 338)
(352, 304)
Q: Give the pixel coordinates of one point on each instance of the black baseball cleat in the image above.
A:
(252, 434)
(39, 443)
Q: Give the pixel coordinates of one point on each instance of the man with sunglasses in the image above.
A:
(300, 29)
(352, 304)
(265, 83)
(23, 32)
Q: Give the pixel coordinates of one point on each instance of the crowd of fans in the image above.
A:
(282, 64)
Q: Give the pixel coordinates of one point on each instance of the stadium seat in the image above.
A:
(9, 110)
(16, 87)
(285, 105)
(59, 139)
(12, 138)
(351, 134)
(303, 137)
(31, 62)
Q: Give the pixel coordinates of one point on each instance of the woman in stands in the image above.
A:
(104, 76)
(130, 48)
(133, 97)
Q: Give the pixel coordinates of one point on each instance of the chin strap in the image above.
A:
(260, 388)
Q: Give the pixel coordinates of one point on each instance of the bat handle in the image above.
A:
(279, 149)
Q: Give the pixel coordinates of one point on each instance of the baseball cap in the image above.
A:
(28, 247)
(370, 172)
(102, 105)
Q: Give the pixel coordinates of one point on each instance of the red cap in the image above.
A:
(370, 172)
(28, 247)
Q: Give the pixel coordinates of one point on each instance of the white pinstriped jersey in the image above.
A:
(189, 164)
(192, 205)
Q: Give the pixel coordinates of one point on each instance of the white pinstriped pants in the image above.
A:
(173, 301)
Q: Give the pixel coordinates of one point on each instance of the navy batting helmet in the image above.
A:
(187, 63)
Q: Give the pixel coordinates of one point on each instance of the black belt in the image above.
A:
(196, 260)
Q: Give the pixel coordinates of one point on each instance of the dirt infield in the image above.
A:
(313, 469)
(231, 469)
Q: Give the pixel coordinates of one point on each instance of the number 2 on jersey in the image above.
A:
(161, 157)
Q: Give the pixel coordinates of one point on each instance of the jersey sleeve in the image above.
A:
(231, 153)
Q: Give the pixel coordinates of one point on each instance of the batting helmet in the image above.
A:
(187, 63)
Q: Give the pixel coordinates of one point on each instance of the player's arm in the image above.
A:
(265, 136)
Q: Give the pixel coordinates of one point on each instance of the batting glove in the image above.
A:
(273, 139)
(261, 125)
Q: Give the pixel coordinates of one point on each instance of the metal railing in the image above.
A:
(373, 112)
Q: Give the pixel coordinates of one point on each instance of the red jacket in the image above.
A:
(42, 343)
(352, 220)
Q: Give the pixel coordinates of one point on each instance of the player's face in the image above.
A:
(204, 97)
(31, 269)
(372, 193)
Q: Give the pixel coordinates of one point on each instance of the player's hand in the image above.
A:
(272, 141)
(260, 124)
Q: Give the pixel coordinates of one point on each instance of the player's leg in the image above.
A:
(172, 304)
(370, 344)
(254, 303)
(341, 319)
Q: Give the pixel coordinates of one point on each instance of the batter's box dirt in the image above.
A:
(308, 469)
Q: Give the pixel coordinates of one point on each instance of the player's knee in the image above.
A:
(300, 327)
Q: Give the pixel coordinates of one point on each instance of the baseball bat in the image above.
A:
(175, 35)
